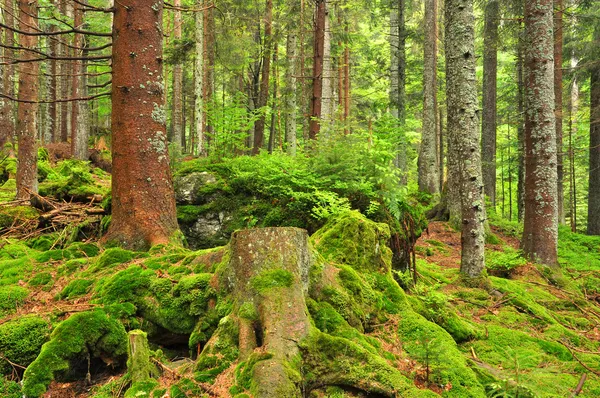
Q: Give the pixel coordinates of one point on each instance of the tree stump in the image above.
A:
(138, 356)
(268, 275)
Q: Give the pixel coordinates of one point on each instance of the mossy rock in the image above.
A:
(350, 238)
(90, 333)
(15, 215)
(21, 340)
(11, 297)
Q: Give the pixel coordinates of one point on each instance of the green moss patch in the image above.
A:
(20, 341)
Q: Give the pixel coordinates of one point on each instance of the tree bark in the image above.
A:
(263, 96)
(143, 202)
(398, 80)
(79, 126)
(328, 74)
(558, 104)
(7, 120)
(199, 82)
(177, 116)
(428, 166)
(540, 231)
(64, 83)
(317, 75)
(489, 125)
(291, 101)
(593, 227)
(209, 70)
(573, 120)
(27, 112)
(463, 130)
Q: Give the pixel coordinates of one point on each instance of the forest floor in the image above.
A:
(525, 331)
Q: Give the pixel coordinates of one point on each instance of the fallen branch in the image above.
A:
(597, 373)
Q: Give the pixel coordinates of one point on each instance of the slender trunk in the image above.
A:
(521, 124)
(489, 113)
(463, 130)
(263, 96)
(441, 146)
(317, 75)
(290, 120)
(64, 82)
(573, 109)
(327, 109)
(540, 231)
(593, 227)
(177, 115)
(428, 166)
(274, 100)
(558, 104)
(199, 82)
(347, 93)
(27, 112)
(79, 134)
(209, 65)
(398, 80)
(143, 201)
(52, 89)
(7, 120)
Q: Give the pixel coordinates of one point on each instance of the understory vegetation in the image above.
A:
(526, 332)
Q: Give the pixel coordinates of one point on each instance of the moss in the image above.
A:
(272, 278)
(244, 371)
(112, 256)
(451, 367)
(76, 287)
(21, 340)
(330, 360)
(141, 389)
(87, 333)
(186, 388)
(10, 388)
(352, 239)
(41, 279)
(248, 311)
(8, 190)
(71, 179)
(69, 267)
(11, 297)
(220, 352)
(189, 214)
(16, 215)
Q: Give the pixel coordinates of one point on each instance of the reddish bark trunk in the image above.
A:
(263, 96)
(558, 102)
(317, 94)
(7, 123)
(143, 204)
(27, 112)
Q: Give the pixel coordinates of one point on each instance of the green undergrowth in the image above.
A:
(525, 333)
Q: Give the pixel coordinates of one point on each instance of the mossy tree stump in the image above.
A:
(268, 277)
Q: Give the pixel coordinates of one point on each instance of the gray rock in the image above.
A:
(209, 230)
(187, 188)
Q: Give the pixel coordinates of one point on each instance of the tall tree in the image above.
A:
(143, 200)
(290, 98)
(28, 96)
(177, 116)
(490, 71)
(428, 165)
(79, 135)
(199, 81)
(593, 227)
(463, 130)
(7, 122)
(263, 96)
(398, 78)
(558, 104)
(328, 73)
(317, 74)
(540, 231)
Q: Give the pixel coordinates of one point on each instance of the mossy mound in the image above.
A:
(72, 180)
(20, 342)
(101, 336)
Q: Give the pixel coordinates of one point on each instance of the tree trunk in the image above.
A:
(272, 129)
(27, 112)
(291, 101)
(53, 88)
(177, 115)
(263, 96)
(64, 82)
(593, 227)
(143, 201)
(540, 231)
(398, 80)
(7, 120)
(317, 75)
(490, 70)
(79, 125)
(558, 104)
(573, 120)
(521, 127)
(328, 75)
(463, 130)
(428, 166)
(209, 72)
(199, 82)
